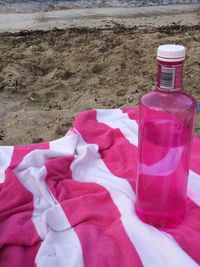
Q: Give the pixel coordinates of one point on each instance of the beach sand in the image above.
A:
(48, 76)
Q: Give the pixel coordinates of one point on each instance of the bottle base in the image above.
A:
(161, 220)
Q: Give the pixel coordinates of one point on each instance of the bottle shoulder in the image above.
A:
(168, 100)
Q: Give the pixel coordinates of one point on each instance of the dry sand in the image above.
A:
(47, 77)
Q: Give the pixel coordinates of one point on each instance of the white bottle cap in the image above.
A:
(171, 53)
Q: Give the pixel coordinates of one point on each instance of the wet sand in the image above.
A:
(47, 77)
(100, 17)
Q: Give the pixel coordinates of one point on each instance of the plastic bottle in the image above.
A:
(166, 122)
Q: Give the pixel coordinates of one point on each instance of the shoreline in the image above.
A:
(38, 6)
(151, 16)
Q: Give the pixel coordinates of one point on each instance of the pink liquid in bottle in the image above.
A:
(166, 122)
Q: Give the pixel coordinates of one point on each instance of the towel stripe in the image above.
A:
(6, 153)
(194, 187)
(195, 160)
(19, 237)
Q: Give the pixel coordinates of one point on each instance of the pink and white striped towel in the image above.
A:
(70, 202)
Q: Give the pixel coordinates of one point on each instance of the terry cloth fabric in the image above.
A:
(70, 202)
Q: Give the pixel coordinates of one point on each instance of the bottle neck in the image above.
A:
(169, 76)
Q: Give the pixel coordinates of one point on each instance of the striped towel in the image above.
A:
(70, 202)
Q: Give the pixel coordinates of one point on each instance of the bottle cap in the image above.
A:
(171, 53)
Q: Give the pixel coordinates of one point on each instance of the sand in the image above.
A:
(47, 77)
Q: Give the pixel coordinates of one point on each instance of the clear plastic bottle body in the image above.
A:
(166, 122)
